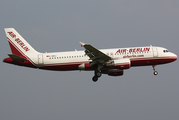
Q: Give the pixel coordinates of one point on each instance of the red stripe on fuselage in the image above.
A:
(26, 63)
(134, 62)
(152, 60)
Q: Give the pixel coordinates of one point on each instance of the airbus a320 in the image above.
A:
(112, 62)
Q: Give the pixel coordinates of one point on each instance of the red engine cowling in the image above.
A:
(84, 66)
(119, 64)
(115, 72)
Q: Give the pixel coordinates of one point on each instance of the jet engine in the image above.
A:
(116, 73)
(119, 64)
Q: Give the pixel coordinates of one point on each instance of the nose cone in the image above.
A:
(174, 57)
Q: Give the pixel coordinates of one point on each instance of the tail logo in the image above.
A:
(19, 41)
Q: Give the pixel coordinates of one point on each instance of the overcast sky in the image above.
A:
(59, 25)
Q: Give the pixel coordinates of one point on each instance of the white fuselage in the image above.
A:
(72, 59)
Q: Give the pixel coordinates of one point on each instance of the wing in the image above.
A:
(95, 55)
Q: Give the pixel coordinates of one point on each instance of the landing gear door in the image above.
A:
(155, 52)
(40, 60)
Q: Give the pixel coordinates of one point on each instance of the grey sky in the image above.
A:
(31, 94)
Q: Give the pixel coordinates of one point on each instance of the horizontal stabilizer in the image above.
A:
(16, 58)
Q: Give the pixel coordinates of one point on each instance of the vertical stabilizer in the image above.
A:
(19, 46)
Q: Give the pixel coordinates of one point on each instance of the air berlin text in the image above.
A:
(133, 50)
(19, 41)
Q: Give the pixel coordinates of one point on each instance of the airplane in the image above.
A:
(112, 62)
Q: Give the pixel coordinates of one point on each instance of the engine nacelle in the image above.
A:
(120, 63)
(84, 66)
(115, 72)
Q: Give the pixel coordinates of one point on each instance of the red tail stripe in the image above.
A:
(14, 48)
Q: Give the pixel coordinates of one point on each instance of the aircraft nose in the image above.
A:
(175, 57)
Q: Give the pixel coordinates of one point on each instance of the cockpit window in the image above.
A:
(165, 51)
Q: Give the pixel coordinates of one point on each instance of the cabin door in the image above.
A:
(155, 52)
(40, 60)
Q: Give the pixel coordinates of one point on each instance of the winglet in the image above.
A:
(82, 44)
